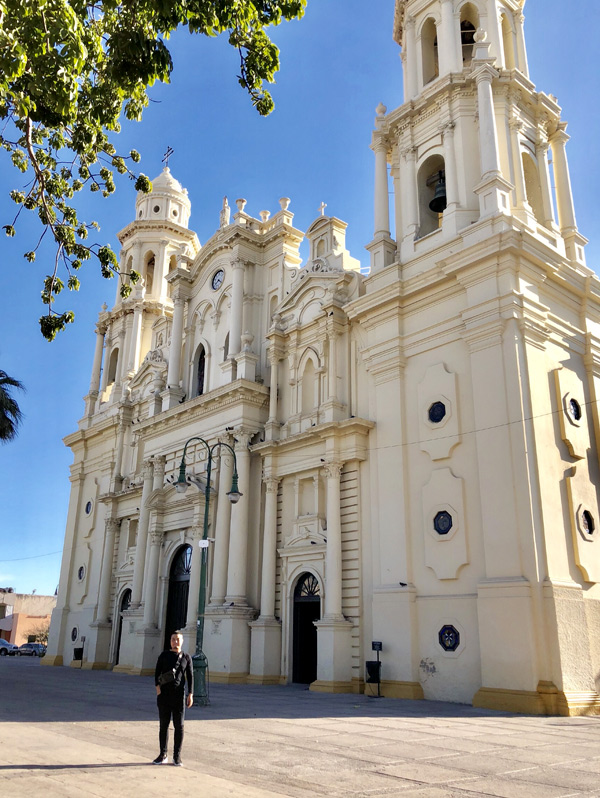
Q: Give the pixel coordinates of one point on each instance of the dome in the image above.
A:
(166, 182)
(168, 201)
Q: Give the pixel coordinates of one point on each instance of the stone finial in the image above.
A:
(264, 215)
(284, 202)
(241, 204)
(480, 35)
(381, 110)
(225, 213)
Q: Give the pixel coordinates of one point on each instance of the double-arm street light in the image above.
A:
(199, 660)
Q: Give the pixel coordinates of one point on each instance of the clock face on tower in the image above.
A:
(217, 280)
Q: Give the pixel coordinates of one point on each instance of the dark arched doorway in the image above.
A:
(179, 588)
(307, 610)
(125, 602)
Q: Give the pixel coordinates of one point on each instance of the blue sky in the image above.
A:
(338, 63)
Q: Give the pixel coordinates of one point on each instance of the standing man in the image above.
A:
(173, 668)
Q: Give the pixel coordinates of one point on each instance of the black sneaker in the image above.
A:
(161, 759)
(177, 760)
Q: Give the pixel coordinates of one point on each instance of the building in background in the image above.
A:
(24, 618)
(417, 448)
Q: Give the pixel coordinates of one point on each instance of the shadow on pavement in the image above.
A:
(33, 693)
(94, 766)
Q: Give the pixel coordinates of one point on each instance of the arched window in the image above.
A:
(200, 370)
(431, 177)
(308, 387)
(429, 51)
(273, 302)
(508, 43)
(321, 248)
(149, 273)
(469, 22)
(112, 366)
(533, 187)
(226, 347)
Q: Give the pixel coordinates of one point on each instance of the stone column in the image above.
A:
(272, 425)
(450, 165)
(142, 536)
(176, 342)
(268, 577)
(222, 530)
(97, 366)
(116, 394)
(156, 537)
(110, 530)
(237, 306)
(382, 202)
(521, 202)
(493, 28)
(265, 643)
(333, 558)
(541, 153)
(238, 547)
(488, 135)
(448, 48)
(194, 589)
(92, 397)
(411, 58)
(521, 49)
(412, 199)
(574, 241)
(493, 190)
(136, 335)
(564, 195)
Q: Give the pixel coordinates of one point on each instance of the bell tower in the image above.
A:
(479, 323)
(473, 133)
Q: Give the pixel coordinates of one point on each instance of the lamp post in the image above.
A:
(199, 660)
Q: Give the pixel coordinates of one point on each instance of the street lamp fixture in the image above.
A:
(199, 660)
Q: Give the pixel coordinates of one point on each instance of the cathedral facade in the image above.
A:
(416, 447)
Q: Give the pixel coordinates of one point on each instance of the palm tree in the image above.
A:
(10, 412)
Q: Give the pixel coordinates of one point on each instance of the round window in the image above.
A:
(140, 214)
(449, 638)
(437, 412)
(574, 409)
(156, 208)
(175, 213)
(587, 522)
(88, 507)
(442, 523)
(74, 633)
(81, 572)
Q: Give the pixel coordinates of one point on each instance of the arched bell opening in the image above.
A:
(431, 180)
(533, 187)
(148, 273)
(508, 43)
(307, 610)
(123, 606)
(469, 22)
(429, 51)
(112, 366)
(179, 589)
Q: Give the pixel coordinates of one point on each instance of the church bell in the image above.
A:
(438, 203)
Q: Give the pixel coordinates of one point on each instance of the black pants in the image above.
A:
(171, 706)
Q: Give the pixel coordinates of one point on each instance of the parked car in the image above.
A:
(31, 650)
(7, 648)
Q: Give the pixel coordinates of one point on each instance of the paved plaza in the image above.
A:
(68, 732)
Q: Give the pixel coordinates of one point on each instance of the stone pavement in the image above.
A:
(79, 733)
